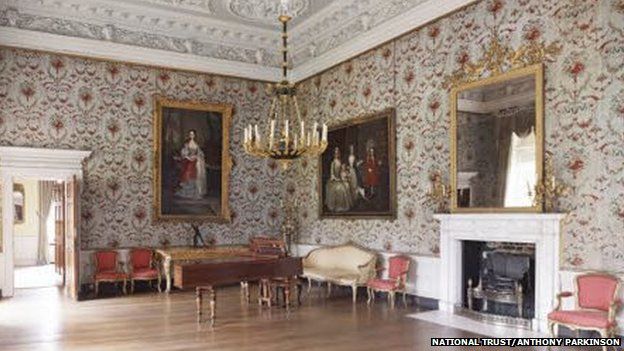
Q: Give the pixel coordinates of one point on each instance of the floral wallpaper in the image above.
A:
(56, 101)
(584, 120)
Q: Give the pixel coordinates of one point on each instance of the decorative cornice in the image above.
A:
(145, 27)
(208, 37)
(399, 25)
(25, 39)
(342, 21)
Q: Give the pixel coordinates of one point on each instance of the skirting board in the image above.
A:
(425, 272)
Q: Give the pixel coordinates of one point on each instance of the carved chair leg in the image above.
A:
(309, 285)
(604, 333)
(123, 287)
(159, 282)
(551, 328)
(404, 298)
(368, 295)
(132, 286)
(392, 296)
(97, 288)
(354, 289)
(329, 287)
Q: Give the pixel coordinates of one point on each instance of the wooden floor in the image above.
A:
(42, 319)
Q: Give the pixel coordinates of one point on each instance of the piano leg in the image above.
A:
(213, 305)
(199, 302)
(245, 290)
(287, 293)
(167, 269)
(299, 287)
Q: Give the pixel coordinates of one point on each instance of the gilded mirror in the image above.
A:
(497, 142)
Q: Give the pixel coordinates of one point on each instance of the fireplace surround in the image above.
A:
(541, 230)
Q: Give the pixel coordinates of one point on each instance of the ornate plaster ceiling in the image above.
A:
(235, 37)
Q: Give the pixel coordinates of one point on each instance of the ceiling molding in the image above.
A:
(103, 50)
(399, 25)
(226, 37)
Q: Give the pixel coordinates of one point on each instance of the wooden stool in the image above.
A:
(245, 290)
(285, 285)
(199, 291)
(265, 295)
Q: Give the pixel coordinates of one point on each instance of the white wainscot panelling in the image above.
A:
(1, 271)
(423, 276)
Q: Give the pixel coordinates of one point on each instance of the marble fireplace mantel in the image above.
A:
(541, 229)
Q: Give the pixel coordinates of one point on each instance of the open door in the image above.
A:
(72, 238)
(59, 230)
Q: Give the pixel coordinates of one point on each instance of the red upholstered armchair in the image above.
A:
(397, 277)
(596, 305)
(108, 269)
(142, 267)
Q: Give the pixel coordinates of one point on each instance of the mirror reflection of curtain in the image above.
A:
(521, 173)
(46, 197)
(18, 203)
(518, 120)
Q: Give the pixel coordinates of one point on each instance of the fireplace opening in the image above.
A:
(499, 281)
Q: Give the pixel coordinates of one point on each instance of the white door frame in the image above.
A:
(23, 162)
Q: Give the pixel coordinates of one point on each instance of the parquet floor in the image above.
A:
(43, 319)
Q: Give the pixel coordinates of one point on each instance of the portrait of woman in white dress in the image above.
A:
(193, 169)
(193, 163)
(338, 193)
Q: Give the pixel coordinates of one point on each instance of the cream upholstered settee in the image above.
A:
(345, 265)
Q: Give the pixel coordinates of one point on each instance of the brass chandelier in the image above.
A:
(287, 138)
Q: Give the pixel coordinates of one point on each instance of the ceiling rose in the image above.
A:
(265, 10)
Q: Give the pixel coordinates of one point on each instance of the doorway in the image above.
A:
(53, 165)
(39, 236)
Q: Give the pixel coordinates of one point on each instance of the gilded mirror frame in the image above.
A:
(537, 71)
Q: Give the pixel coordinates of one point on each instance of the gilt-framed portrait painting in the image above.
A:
(191, 160)
(357, 171)
(19, 202)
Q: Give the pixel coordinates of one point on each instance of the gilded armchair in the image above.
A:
(108, 269)
(596, 305)
(143, 267)
(397, 277)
